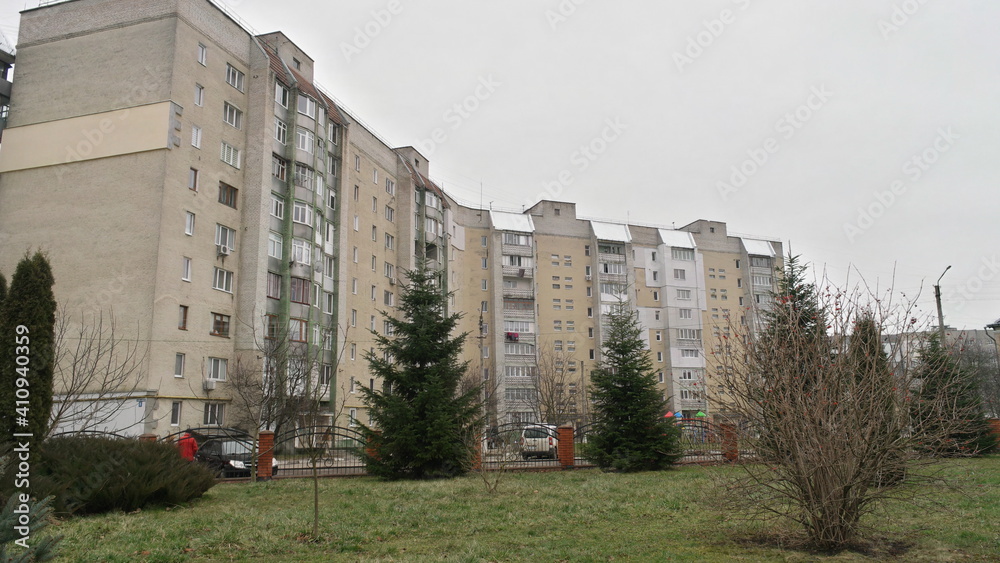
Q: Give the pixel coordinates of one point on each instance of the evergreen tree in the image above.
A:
(795, 305)
(423, 426)
(941, 376)
(28, 321)
(629, 432)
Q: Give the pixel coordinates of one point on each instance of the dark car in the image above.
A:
(229, 457)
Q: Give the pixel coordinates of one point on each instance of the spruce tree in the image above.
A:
(28, 321)
(629, 432)
(423, 426)
(962, 409)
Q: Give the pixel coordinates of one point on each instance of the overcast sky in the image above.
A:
(864, 133)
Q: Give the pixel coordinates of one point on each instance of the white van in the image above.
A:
(539, 440)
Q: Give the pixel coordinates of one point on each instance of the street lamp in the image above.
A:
(937, 298)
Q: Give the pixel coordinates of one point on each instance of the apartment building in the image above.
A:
(191, 177)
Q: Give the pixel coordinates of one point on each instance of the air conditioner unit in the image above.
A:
(588, 277)
(392, 281)
(208, 385)
(223, 250)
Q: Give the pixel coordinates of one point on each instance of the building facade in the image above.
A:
(198, 184)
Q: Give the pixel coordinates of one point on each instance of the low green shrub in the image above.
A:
(89, 475)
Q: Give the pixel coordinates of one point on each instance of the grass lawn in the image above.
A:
(557, 516)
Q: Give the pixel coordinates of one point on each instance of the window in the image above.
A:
(354, 317)
(687, 375)
(682, 253)
(280, 131)
(297, 330)
(656, 296)
(352, 414)
(482, 285)
(659, 357)
(182, 321)
(232, 115)
(186, 269)
(230, 155)
(688, 334)
(227, 195)
(688, 353)
(281, 94)
(684, 313)
(390, 241)
(279, 167)
(179, 365)
(390, 213)
(390, 186)
(223, 280)
(306, 106)
(355, 255)
(196, 136)
(375, 175)
(328, 302)
(679, 274)
(354, 351)
(188, 223)
(357, 223)
(214, 414)
(220, 325)
(374, 233)
(333, 133)
(659, 335)
(277, 207)
(202, 54)
(304, 177)
(217, 368)
(683, 294)
(300, 290)
(234, 77)
(357, 166)
(304, 139)
(328, 266)
(302, 213)
(199, 95)
(389, 270)
(193, 179)
(225, 237)
(175, 413)
(389, 298)
(326, 374)
(274, 285)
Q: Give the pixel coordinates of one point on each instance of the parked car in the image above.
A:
(229, 457)
(539, 440)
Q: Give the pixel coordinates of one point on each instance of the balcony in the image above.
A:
(519, 313)
(619, 278)
(518, 271)
(521, 337)
(517, 250)
(611, 258)
(519, 293)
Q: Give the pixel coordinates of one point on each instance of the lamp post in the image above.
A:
(937, 298)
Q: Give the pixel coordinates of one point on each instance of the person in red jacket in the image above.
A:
(187, 446)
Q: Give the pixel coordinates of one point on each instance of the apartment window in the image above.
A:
(232, 115)
(182, 321)
(390, 213)
(682, 253)
(373, 291)
(279, 167)
(679, 274)
(656, 296)
(357, 223)
(390, 241)
(175, 413)
(188, 223)
(223, 280)
(196, 136)
(352, 414)
(374, 263)
(482, 242)
(375, 175)
(659, 377)
(655, 275)
(688, 353)
(277, 207)
(199, 95)
(300, 290)
(592, 354)
(234, 77)
(659, 335)
(202, 54)
(357, 165)
(297, 330)
(220, 325)
(332, 133)
(354, 318)
(280, 131)
(684, 294)
(230, 155)
(687, 375)
(193, 179)
(328, 266)
(656, 315)
(688, 334)
(179, 364)
(306, 106)
(304, 139)
(281, 94)
(302, 213)
(355, 255)
(186, 269)
(684, 313)
(483, 263)
(228, 195)
(354, 351)
(557, 345)
(374, 233)
(389, 270)
(390, 186)
(217, 368)
(214, 414)
(274, 285)
(225, 237)
(659, 357)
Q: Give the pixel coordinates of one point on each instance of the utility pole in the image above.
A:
(937, 298)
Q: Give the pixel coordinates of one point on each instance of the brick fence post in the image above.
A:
(477, 454)
(265, 453)
(730, 446)
(147, 437)
(565, 451)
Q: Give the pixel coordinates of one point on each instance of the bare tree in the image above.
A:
(979, 359)
(558, 388)
(828, 413)
(97, 370)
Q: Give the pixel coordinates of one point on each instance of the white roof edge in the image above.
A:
(617, 232)
(678, 239)
(520, 222)
(758, 247)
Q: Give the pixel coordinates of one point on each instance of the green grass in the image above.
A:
(557, 516)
